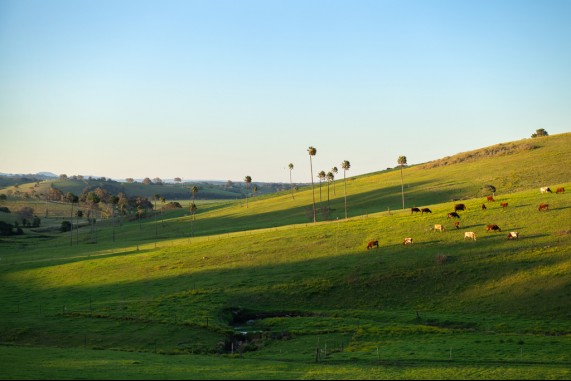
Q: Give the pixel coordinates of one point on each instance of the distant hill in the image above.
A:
(39, 175)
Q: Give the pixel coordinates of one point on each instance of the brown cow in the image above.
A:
(457, 224)
(493, 227)
(543, 207)
(504, 204)
(490, 198)
(458, 207)
(453, 215)
(372, 244)
(513, 235)
(560, 190)
(413, 210)
(484, 207)
(425, 210)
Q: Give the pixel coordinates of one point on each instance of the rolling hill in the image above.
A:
(255, 289)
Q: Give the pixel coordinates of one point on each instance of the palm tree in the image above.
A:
(193, 208)
(402, 162)
(321, 175)
(312, 152)
(335, 171)
(248, 181)
(345, 165)
(290, 183)
(330, 178)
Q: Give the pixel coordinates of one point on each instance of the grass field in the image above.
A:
(259, 291)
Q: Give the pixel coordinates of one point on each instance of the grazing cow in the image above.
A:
(425, 210)
(560, 190)
(372, 244)
(484, 207)
(413, 210)
(543, 207)
(545, 190)
(439, 227)
(504, 204)
(469, 235)
(458, 207)
(453, 215)
(513, 235)
(490, 198)
(457, 224)
(493, 227)
(407, 241)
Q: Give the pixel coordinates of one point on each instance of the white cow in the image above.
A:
(407, 241)
(470, 235)
(439, 227)
(545, 190)
(513, 235)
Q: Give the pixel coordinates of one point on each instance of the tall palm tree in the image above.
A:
(290, 183)
(345, 165)
(330, 178)
(312, 152)
(193, 208)
(248, 181)
(335, 171)
(321, 175)
(402, 162)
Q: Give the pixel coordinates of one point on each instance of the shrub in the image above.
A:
(65, 226)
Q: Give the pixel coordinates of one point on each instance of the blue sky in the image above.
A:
(221, 89)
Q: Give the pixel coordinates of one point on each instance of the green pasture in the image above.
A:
(256, 290)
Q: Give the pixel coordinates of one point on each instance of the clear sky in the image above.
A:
(223, 89)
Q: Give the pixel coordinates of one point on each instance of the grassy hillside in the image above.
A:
(256, 290)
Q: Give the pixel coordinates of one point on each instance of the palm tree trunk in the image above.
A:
(312, 191)
(291, 185)
(402, 186)
(345, 185)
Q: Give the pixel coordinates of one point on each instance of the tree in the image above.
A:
(147, 181)
(330, 178)
(539, 132)
(130, 180)
(312, 152)
(177, 180)
(290, 166)
(26, 214)
(193, 207)
(321, 176)
(489, 188)
(402, 162)
(72, 199)
(65, 226)
(248, 181)
(335, 171)
(345, 165)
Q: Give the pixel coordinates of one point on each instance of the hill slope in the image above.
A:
(314, 301)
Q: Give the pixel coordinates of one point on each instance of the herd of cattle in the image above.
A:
(471, 235)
